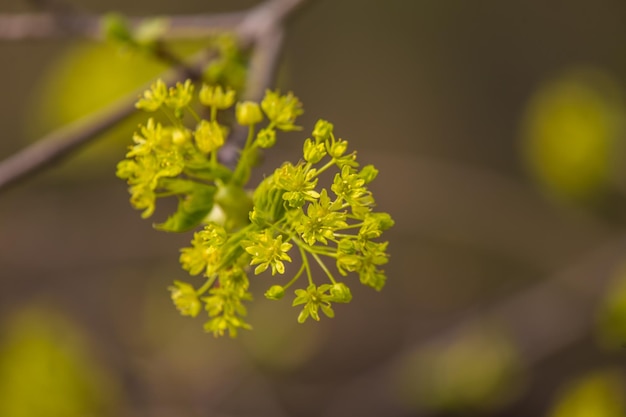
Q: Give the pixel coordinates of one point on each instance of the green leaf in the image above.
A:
(192, 209)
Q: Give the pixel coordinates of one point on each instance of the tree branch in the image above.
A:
(260, 27)
(262, 71)
(57, 145)
(45, 26)
(249, 24)
(547, 317)
(264, 63)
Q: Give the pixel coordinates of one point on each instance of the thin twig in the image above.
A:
(548, 316)
(251, 24)
(59, 7)
(18, 27)
(57, 145)
(261, 24)
(267, 16)
(265, 27)
(264, 63)
(262, 72)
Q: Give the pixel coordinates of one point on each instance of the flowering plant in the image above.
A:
(288, 212)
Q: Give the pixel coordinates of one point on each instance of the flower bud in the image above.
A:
(338, 148)
(213, 235)
(347, 247)
(282, 110)
(313, 152)
(368, 173)
(180, 96)
(275, 292)
(185, 299)
(209, 136)
(248, 113)
(384, 220)
(154, 97)
(266, 138)
(340, 293)
(349, 263)
(322, 130)
(180, 136)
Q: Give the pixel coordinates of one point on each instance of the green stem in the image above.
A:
(323, 266)
(166, 194)
(345, 235)
(173, 120)
(249, 138)
(173, 183)
(307, 247)
(325, 167)
(305, 263)
(321, 251)
(235, 248)
(199, 177)
(243, 159)
(350, 226)
(314, 252)
(193, 114)
(208, 284)
(295, 277)
(277, 226)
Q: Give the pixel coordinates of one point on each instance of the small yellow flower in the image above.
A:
(185, 299)
(215, 96)
(248, 113)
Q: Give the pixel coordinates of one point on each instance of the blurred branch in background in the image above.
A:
(489, 357)
(259, 28)
(549, 316)
(48, 26)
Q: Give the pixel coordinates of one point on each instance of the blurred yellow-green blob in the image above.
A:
(45, 370)
(86, 78)
(477, 371)
(599, 394)
(572, 133)
(611, 320)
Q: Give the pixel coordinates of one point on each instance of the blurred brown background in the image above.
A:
(498, 131)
